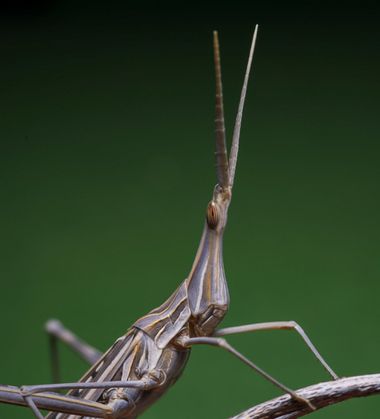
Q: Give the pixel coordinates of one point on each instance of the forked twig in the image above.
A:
(320, 395)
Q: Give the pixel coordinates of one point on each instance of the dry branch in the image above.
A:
(320, 395)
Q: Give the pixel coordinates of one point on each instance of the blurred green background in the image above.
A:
(106, 167)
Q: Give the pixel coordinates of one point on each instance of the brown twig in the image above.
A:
(320, 395)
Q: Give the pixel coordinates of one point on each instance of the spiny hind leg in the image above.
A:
(31, 394)
(222, 343)
(282, 325)
(57, 332)
(54, 402)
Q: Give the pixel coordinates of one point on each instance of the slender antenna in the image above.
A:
(236, 134)
(220, 132)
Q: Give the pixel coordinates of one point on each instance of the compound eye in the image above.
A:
(212, 215)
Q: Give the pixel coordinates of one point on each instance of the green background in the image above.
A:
(106, 167)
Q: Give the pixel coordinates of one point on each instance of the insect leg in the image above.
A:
(54, 402)
(146, 383)
(32, 405)
(57, 331)
(222, 343)
(283, 325)
(150, 380)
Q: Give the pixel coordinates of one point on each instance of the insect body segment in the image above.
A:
(133, 357)
(164, 323)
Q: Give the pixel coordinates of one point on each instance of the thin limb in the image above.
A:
(33, 406)
(287, 325)
(149, 381)
(55, 402)
(321, 395)
(222, 343)
(143, 384)
(57, 331)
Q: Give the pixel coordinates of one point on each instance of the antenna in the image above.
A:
(220, 131)
(236, 135)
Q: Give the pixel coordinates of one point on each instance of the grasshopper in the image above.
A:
(148, 359)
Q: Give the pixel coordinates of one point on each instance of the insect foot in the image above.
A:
(302, 400)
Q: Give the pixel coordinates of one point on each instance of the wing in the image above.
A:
(163, 323)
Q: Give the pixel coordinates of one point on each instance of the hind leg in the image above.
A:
(57, 332)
